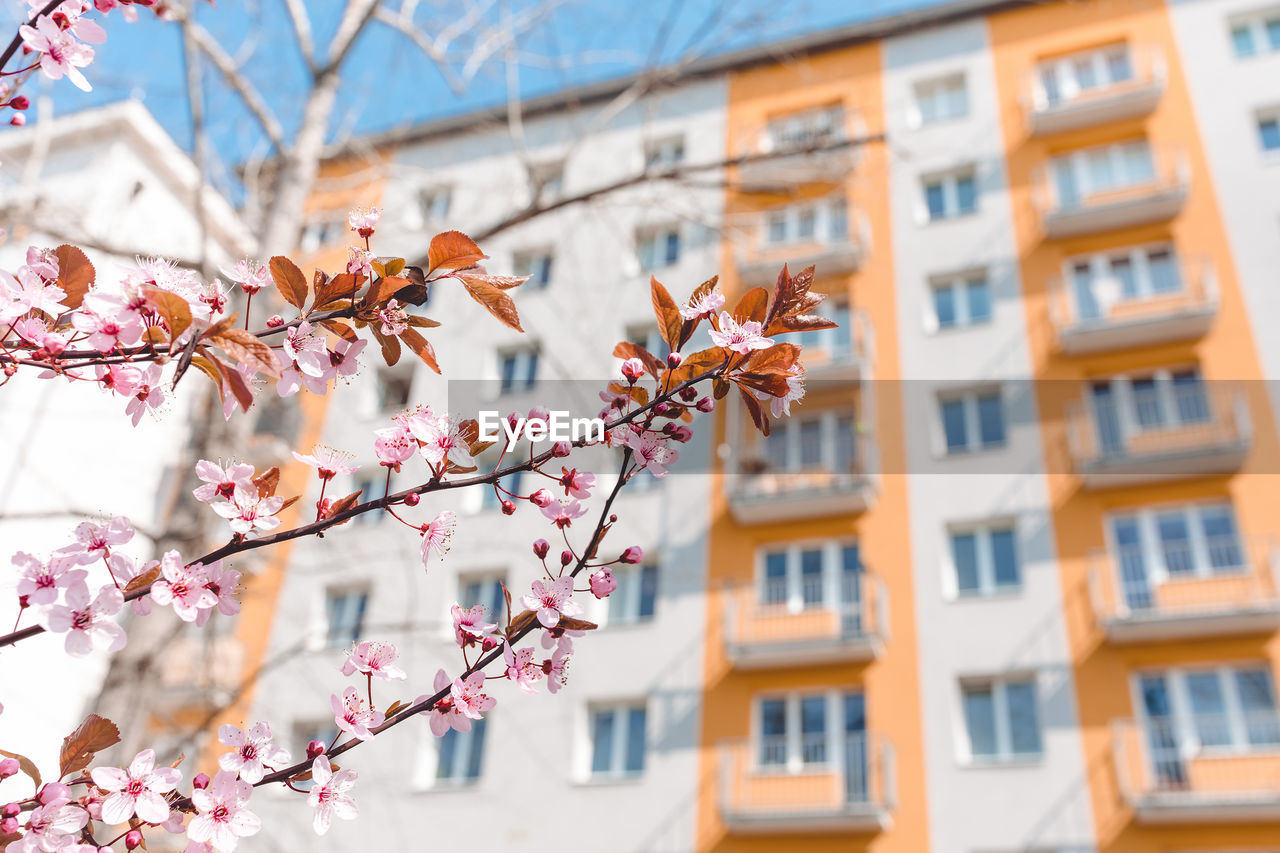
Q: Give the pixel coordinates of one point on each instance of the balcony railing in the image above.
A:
(1155, 200)
(1235, 593)
(1207, 432)
(844, 619)
(847, 785)
(1209, 770)
(759, 493)
(1136, 96)
(779, 162)
(1102, 319)
(834, 250)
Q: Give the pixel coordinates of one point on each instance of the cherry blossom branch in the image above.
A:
(17, 39)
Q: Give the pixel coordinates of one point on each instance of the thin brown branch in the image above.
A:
(241, 84)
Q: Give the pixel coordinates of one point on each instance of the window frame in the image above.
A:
(832, 550)
(325, 637)
(831, 225)
(949, 183)
(960, 286)
(538, 263)
(619, 741)
(664, 153)
(1182, 718)
(1064, 67)
(1118, 163)
(1002, 719)
(1270, 115)
(833, 730)
(828, 420)
(984, 533)
(1256, 24)
(653, 246)
(630, 595)
(525, 360)
(807, 127)
(1146, 519)
(971, 400)
(939, 90)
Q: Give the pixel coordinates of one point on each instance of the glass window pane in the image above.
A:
(957, 99)
(447, 754)
(1208, 709)
(476, 753)
(944, 306)
(813, 729)
(648, 591)
(1242, 40)
(846, 444)
(1164, 272)
(1257, 700)
(775, 578)
(777, 227)
(810, 444)
(1005, 557)
(602, 742)
(1101, 174)
(1175, 543)
(979, 302)
(980, 720)
(838, 224)
(811, 577)
(966, 194)
(773, 732)
(1086, 77)
(1146, 404)
(775, 449)
(672, 247)
(1024, 721)
(964, 552)
(935, 200)
(953, 425)
(807, 223)
(1122, 269)
(1118, 67)
(1273, 33)
(1137, 163)
(1269, 130)
(1220, 537)
(635, 740)
(990, 420)
(1189, 397)
(855, 713)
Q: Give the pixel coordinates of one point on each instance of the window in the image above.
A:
(1269, 132)
(961, 302)
(518, 369)
(492, 499)
(486, 591)
(1151, 546)
(985, 560)
(323, 232)
(1065, 78)
(816, 575)
(1098, 282)
(1256, 34)
(798, 731)
(824, 222)
(658, 247)
(951, 195)
(806, 129)
(344, 611)
(1081, 174)
(650, 338)
(433, 204)
(1128, 405)
(393, 388)
(973, 421)
(822, 442)
(1222, 709)
(459, 755)
(548, 180)
(834, 343)
(371, 489)
(1001, 719)
(636, 598)
(534, 263)
(941, 99)
(661, 154)
(617, 740)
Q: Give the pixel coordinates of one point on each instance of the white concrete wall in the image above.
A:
(1042, 804)
(536, 746)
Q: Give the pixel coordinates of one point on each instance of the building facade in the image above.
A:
(1004, 582)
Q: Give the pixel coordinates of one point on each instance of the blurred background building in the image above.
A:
(1004, 582)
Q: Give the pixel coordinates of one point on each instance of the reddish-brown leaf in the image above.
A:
(267, 482)
(502, 282)
(75, 274)
(757, 414)
(695, 365)
(800, 323)
(779, 358)
(422, 322)
(210, 368)
(90, 737)
(220, 326)
(288, 502)
(237, 386)
(290, 280)
(522, 619)
(569, 623)
(421, 347)
(394, 708)
(26, 765)
(390, 346)
(753, 305)
(342, 505)
(245, 347)
(626, 349)
(171, 307)
(773, 384)
(143, 580)
(385, 288)
(664, 308)
(340, 328)
(341, 286)
(495, 302)
(452, 250)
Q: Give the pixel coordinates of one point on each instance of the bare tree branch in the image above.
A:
(403, 24)
(355, 17)
(239, 83)
(302, 31)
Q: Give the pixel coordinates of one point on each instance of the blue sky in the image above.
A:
(388, 82)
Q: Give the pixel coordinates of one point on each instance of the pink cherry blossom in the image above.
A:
(343, 357)
(394, 445)
(94, 541)
(351, 715)
(437, 535)
(560, 638)
(363, 220)
(632, 369)
(51, 827)
(327, 461)
(220, 482)
(469, 697)
(359, 262)
(139, 790)
(61, 54)
(520, 667)
(109, 321)
(224, 583)
(552, 600)
(250, 275)
(742, 337)
(469, 626)
(369, 657)
(247, 512)
(563, 513)
(441, 437)
(707, 304)
(223, 816)
(254, 753)
(781, 406)
(306, 346)
(443, 715)
(120, 378)
(394, 318)
(602, 582)
(40, 581)
(182, 586)
(147, 396)
(652, 452)
(88, 623)
(556, 668)
(577, 484)
(30, 291)
(328, 795)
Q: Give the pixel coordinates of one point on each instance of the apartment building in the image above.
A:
(1005, 580)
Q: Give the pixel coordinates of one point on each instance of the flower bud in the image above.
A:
(662, 409)
(411, 499)
(632, 555)
(9, 767)
(508, 508)
(490, 643)
(132, 839)
(53, 791)
(706, 404)
(540, 549)
(681, 433)
(603, 582)
(513, 420)
(561, 449)
(9, 826)
(566, 557)
(539, 413)
(689, 394)
(632, 370)
(201, 781)
(674, 359)
(11, 810)
(541, 498)
(18, 120)
(315, 749)
(20, 103)
(275, 321)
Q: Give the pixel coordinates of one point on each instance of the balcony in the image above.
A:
(1102, 320)
(1211, 435)
(1132, 98)
(1156, 198)
(761, 493)
(1236, 593)
(852, 792)
(833, 246)
(842, 353)
(811, 148)
(1169, 776)
(763, 629)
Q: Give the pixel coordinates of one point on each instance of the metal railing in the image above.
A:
(855, 607)
(854, 773)
(1169, 171)
(1188, 286)
(1148, 71)
(1201, 760)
